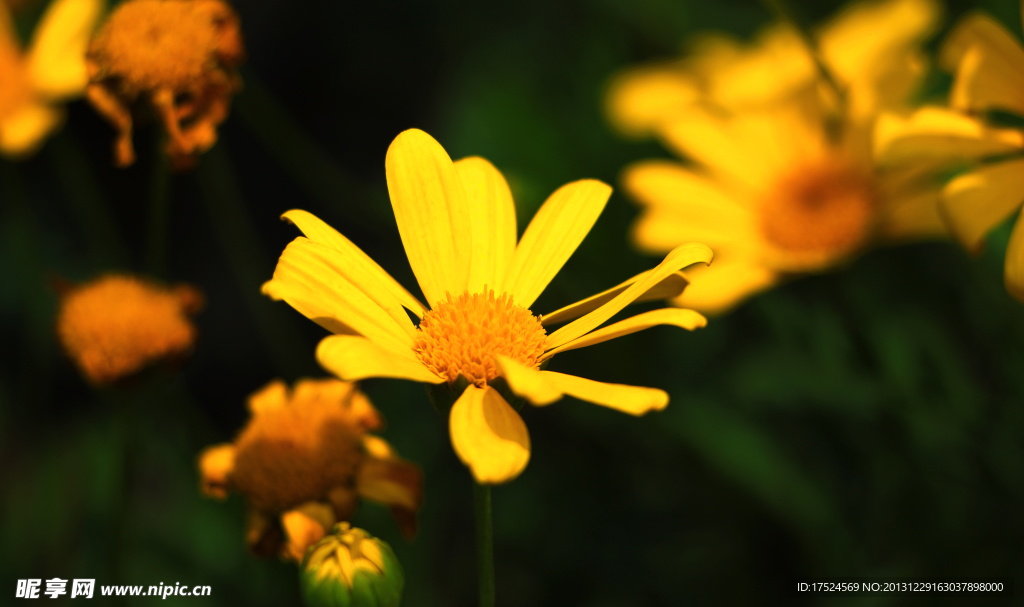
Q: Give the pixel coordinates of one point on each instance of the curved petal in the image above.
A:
(23, 131)
(640, 98)
(493, 220)
(975, 202)
(686, 319)
(989, 65)
(331, 289)
(352, 358)
(318, 231)
(268, 398)
(679, 258)
(215, 466)
(305, 526)
(671, 286)
(635, 400)
(934, 133)
(432, 213)
(56, 57)
(555, 232)
(1013, 271)
(527, 382)
(489, 436)
(716, 289)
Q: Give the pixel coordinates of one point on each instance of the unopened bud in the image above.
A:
(351, 568)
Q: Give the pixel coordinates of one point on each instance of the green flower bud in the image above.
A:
(351, 568)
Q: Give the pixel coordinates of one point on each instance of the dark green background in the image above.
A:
(867, 422)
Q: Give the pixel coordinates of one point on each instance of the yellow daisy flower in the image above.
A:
(988, 63)
(303, 462)
(457, 223)
(35, 81)
(784, 182)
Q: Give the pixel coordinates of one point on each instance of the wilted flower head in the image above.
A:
(351, 568)
(33, 82)
(181, 57)
(304, 460)
(115, 325)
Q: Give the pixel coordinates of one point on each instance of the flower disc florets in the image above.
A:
(462, 336)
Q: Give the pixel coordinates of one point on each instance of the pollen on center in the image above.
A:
(462, 336)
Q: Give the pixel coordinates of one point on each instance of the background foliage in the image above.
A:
(867, 422)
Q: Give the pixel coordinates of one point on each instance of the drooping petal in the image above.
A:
(432, 213)
(23, 131)
(679, 258)
(639, 99)
(975, 202)
(527, 382)
(268, 398)
(318, 231)
(942, 135)
(352, 358)
(635, 400)
(56, 57)
(335, 290)
(1013, 271)
(989, 66)
(493, 221)
(304, 526)
(489, 436)
(717, 288)
(215, 466)
(668, 288)
(555, 232)
(686, 319)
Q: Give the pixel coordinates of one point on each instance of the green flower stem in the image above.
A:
(484, 543)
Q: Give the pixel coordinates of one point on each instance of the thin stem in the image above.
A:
(484, 543)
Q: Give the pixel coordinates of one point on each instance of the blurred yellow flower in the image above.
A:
(783, 180)
(457, 222)
(988, 63)
(34, 82)
(115, 325)
(304, 460)
(181, 56)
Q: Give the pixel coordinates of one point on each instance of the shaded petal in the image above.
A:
(1013, 271)
(305, 526)
(352, 358)
(432, 213)
(640, 98)
(489, 436)
(975, 202)
(493, 221)
(716, 289)
(56, 57)
(268, 398)
(392, 482)
(559, 226)
(913, 215)
(216, 464)
(671, 286)
(635, 400)
(679, 258)
(989, 66)
(527, 382)
(318, 231)
(23, 131)
(335, 290)
(687, 319)
(934, 133)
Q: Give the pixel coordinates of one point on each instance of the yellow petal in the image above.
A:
(215, 467)
(989, 66)
(668, 288)
(913, 215)
(527, 382)
(635, 400)
(392, 482)
(352, 358)
(432, 213)
(1013, 271)
(559, 226)
(56, 58)
(934, 133)
(679, 258)
(716, 289)
(493, 221)
(687, 319)
(489, 436)
(975, 202)
(318, 231)
(337, 291)
(640, 98)
(23, 131)
(773, 67)
(268, 398)
(305, 526)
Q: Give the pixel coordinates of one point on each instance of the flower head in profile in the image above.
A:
(178, 55)
(479, 336)
(988, 64)
(303, 462)
(117, 324)
(34, 82)
(783, 181)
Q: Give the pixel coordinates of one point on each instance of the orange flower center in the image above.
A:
(825, 208)
(463, 336)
